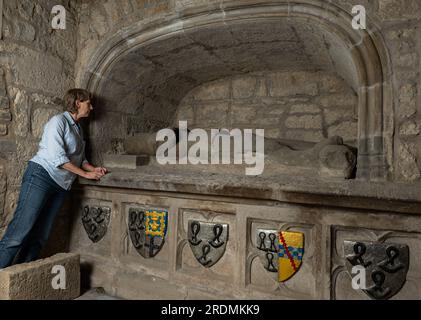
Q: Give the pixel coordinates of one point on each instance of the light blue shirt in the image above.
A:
(61, 142)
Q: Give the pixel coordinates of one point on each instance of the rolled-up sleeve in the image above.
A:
(55, 142)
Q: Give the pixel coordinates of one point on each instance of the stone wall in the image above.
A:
(36, 68)
(306, 106)
(404, 39)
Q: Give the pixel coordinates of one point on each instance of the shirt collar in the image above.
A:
(70, 119)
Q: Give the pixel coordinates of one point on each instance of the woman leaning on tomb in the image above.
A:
(47, 181)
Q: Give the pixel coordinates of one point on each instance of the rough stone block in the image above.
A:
(329, 83)
(273, 133)
(3, 130)
(213, 91)
(243, 87)
(22, 114)
(212, 114)
(7, 146)
(243, 114)
(36, 280)
(409, 128)
(31, 72)
(338, 100)
(4, 101)
(186, 113)
(332, 115)
(347, 130)
(291, 84)
(39, 119)
(399, 9)
(5, 115)
(407, 100)
(303, 108)
(261, 90)
(408, 60)
(2, 186)
(304, 122)
(407, 162)
(310, 135)
(24, 31)
(263, 121)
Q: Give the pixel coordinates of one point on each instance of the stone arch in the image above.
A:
(367, 55)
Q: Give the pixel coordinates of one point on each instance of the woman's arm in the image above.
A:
(87, 166)
(90, 168)
(84, 174)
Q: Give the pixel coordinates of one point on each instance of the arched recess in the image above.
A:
(364, 61)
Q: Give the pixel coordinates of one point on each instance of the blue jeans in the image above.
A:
(39, 202)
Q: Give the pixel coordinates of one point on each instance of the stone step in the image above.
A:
(53, 278)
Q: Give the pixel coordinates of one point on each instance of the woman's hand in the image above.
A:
(93, 175)
(100, 170)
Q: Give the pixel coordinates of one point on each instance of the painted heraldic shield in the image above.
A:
(385, 265)
(147, 229)
(207, 241)
(290, 255)
(95, 221)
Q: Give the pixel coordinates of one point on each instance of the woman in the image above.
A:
(47, 180)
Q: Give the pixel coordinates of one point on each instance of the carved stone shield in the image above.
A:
(147, 229)
(207, 241)
(95, 221)
(385, 265)
(268, 246)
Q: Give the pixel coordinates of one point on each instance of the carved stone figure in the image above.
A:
(328, 158)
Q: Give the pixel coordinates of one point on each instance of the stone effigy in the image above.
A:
(328, 158)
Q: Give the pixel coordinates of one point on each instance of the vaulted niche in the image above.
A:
(300, 77)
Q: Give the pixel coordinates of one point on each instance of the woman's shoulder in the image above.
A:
(59, 120)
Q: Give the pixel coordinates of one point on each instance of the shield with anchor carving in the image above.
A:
(267, 244)
(385, 265)
(147, 229)
(95, 221)
(207, 241)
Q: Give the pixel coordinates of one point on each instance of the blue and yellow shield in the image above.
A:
(147, 229)
(290, 254)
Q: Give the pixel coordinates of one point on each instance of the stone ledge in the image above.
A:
(33, 280)
(389, 196)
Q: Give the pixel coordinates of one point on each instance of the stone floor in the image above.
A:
(96, 294)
